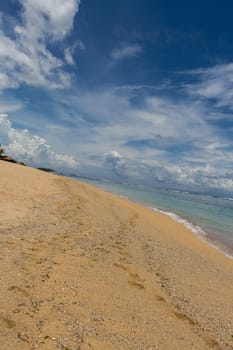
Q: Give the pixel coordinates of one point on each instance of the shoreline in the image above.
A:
(84, 269)
(198, 232)
(209, 238)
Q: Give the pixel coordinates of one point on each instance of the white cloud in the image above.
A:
(10, 104)
(31, 149)
(68, 54)
(162, 140)
(116, 160)
(215, 83)
(26, 58)
(80, 44)
(52, 17)
(126, 51)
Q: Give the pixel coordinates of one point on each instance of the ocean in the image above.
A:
(207, 216)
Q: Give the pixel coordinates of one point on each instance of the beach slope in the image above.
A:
(83, 269)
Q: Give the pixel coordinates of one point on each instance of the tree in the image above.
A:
(1, 150)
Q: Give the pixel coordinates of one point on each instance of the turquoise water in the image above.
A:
(210, 217)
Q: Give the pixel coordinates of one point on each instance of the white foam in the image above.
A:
(228, 199)
(123, 197)
(194, 228)
(197, 230)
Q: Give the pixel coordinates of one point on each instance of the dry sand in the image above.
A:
(84, 269)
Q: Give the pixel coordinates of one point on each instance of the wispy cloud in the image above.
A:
(161, 140)
(126, 51)
(216, 84)
(25, 56)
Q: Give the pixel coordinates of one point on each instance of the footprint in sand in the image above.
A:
(120, 266)
(134, 278)
(136, 284)
(19, 289)
(7, 322)
(135, 281)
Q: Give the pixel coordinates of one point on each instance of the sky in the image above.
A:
(130, 91)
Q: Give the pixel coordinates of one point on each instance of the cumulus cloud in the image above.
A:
(25, 56)
(126, 51)
(117, 162)
(203, 176)
(52, 17)
(31, 149)
(164, 140)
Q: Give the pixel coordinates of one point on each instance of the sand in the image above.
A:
(84, 269)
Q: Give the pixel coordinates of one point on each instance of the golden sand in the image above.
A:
(84, 269)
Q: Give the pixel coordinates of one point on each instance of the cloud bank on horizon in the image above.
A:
(32, 149)
(115, 95)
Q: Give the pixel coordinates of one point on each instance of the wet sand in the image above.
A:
(84, 269)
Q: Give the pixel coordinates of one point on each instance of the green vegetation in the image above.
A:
(47, 170)
(3, 156)
(1, 151)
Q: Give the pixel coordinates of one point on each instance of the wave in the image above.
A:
(123, 197)
(228, 198)
(198, 231)
(194, 228)
(208, 237)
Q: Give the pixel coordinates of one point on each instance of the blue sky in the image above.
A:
(133, 91)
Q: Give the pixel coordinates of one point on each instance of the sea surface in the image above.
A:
(207, 216)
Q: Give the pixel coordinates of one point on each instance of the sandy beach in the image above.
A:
(84, 269)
